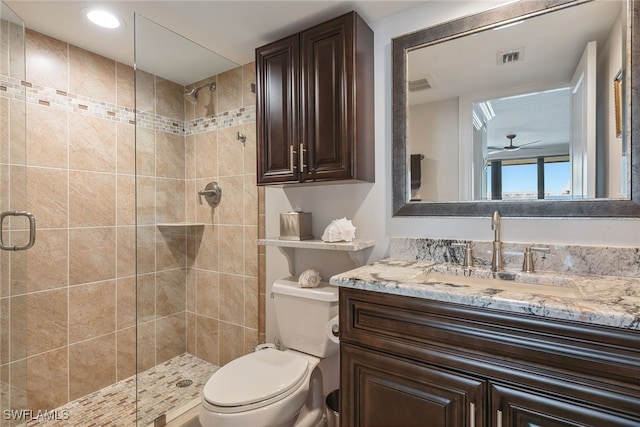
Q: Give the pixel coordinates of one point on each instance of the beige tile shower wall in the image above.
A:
(79, 287)
(79, 290)
(223, 286)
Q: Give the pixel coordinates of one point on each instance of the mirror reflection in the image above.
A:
(530, 109)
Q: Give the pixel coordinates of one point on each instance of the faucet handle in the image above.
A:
(468, 253)
(527, 262)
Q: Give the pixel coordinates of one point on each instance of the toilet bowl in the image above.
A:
(267, 388)
(276, 388)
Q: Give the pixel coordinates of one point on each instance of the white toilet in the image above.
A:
(275, 388)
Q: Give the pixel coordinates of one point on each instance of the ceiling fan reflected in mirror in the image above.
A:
(512, 147)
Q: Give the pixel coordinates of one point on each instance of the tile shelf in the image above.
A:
(355, 248)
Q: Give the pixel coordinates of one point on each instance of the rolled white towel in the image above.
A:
(309, 279)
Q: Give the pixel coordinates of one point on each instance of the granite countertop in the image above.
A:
(603, 300)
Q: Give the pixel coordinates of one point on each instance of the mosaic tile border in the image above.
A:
(15, 89)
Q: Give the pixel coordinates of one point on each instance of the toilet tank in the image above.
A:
(303, 314)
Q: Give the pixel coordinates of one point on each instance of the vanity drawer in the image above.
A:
(484, 339)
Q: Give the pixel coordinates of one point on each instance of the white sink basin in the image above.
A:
(483, 278)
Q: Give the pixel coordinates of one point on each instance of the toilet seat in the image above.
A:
(255, 380)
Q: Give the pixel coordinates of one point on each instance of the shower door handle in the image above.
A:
(32, 230)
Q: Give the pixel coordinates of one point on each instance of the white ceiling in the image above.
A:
(232, 29)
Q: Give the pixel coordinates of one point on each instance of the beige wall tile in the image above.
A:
(170, 200)
(47, 61)
(126, 251)
(171, 248)
(249, 149)
(46, 320)
(92, 75)
(191, 301)
(251, 340)
(231, 253)
(190, 157)
(48, 196)
(126, 355)
(46, 263)
(170, 292)
(4, 129)
(170, 155)
(171, 337)
(191, 333)
(169, 99)
(47, 136)
(18, 328)
(251, 300)
(146, 248)
(145, 149)
(92, 199)
(146, 200)
(92, 143)
(92, 255)
(92, 310)
(250, 200)
(251, 250)
(248, 77)
(145, 91)
(230, 210)
(126, 303)
(17, 132)
(146, 346)
(207, 339)
(229, 90)
(232, 298)
(47, 380)
(208, 293)
(126, 200)
(146, 297)
(5, 324)
(92, 365)
(207, 258)
(230, 152)
(126, 148)
(125, 85)
(206, 154)
(231, 342)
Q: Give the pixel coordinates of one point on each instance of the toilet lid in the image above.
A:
(254, 377)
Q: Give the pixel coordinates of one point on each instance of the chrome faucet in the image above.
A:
(496, 259)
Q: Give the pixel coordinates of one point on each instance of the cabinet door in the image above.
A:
(380, 390)
(511, 407)
(277, 86)
(327, 100)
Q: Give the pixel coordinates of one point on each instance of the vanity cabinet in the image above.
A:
(314, 106)
(409, 361)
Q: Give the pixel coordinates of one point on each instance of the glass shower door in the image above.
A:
(17, 226)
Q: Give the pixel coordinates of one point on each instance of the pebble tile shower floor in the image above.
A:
(114, 406)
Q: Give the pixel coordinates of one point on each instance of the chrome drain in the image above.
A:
(184, 383)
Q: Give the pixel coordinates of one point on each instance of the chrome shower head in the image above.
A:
(192, 95)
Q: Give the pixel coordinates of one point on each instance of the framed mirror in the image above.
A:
(525, 109)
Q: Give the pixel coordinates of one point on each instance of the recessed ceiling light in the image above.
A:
(102, 18)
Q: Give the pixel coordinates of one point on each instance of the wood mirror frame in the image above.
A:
(533, 208)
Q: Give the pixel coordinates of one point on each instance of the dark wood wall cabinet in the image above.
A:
(413, 362)
(314, 105)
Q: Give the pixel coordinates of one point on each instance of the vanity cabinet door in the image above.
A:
(277, 92)
(515, 407)
(380, 390)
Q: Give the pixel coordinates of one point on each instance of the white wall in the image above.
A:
(434, 133)
(369, 205)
